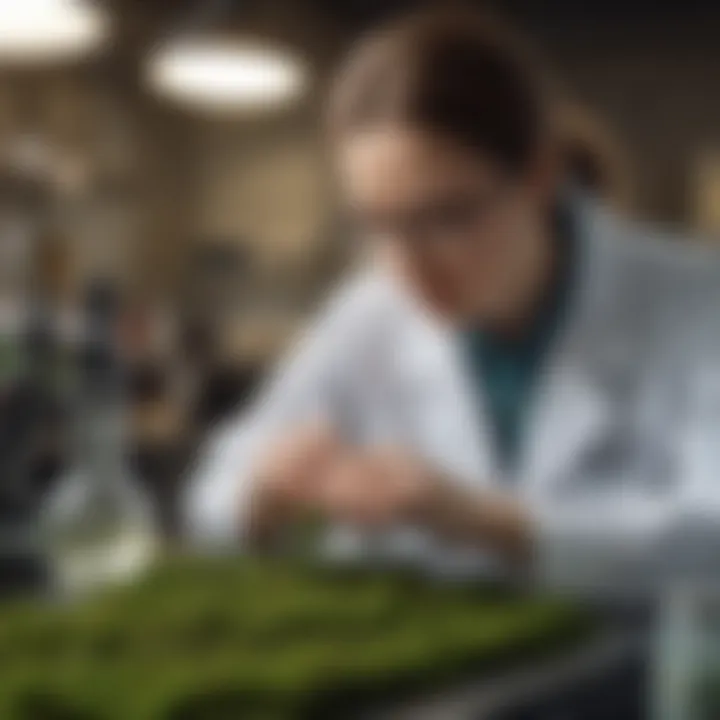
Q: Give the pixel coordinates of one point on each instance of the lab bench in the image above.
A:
(204, 639)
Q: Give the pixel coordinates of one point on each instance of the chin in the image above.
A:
(443, 304)
(473, 313)
(443, 309)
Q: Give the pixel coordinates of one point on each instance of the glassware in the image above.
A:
(99, 523)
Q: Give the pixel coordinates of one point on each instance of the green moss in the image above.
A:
(219, 639)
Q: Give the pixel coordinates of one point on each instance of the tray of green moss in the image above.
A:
(248, 639)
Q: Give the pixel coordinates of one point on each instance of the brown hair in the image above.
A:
(594, 159)
(453, 71)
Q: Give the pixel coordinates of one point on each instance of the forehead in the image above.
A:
(391, 165)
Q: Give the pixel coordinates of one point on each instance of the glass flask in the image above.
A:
(99, 522)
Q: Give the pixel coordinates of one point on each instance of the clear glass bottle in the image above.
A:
(99, 523)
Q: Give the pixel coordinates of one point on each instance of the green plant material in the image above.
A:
(261, 640)
(706, 693)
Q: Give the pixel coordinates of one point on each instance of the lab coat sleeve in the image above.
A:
(626, 547)
(302, 391)
(637, 541)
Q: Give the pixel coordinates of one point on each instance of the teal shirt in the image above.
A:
(506, 369)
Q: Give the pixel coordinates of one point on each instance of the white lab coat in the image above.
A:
(622, 447)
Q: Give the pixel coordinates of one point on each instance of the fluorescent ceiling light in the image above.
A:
(223, 75)
(34, 31)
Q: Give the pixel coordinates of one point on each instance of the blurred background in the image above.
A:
(171, 151)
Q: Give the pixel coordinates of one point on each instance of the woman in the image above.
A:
(517, 375)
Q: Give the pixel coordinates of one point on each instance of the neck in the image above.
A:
(529, 289)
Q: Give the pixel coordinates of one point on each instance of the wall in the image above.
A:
(652, 70)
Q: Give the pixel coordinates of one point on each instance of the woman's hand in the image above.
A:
(287, 479)
(389, 486)
(377, 487)
(312, 471)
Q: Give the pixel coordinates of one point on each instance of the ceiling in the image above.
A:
(358, 14)
(578, 23)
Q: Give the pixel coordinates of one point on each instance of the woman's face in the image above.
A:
(462, 235)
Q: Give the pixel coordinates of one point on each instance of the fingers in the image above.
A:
(410, 485)
(288, 471)
(313, 451)
(313, 470)
(376, 487)
(352, 490)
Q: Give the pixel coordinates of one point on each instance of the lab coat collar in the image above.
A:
(445, 411)
(576, 397)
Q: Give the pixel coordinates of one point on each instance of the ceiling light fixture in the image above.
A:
(226, 75)
(39, 31)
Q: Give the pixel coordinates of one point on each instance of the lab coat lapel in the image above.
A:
(470, 437)
(570, 412)
(573, 406)
(446, 408)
